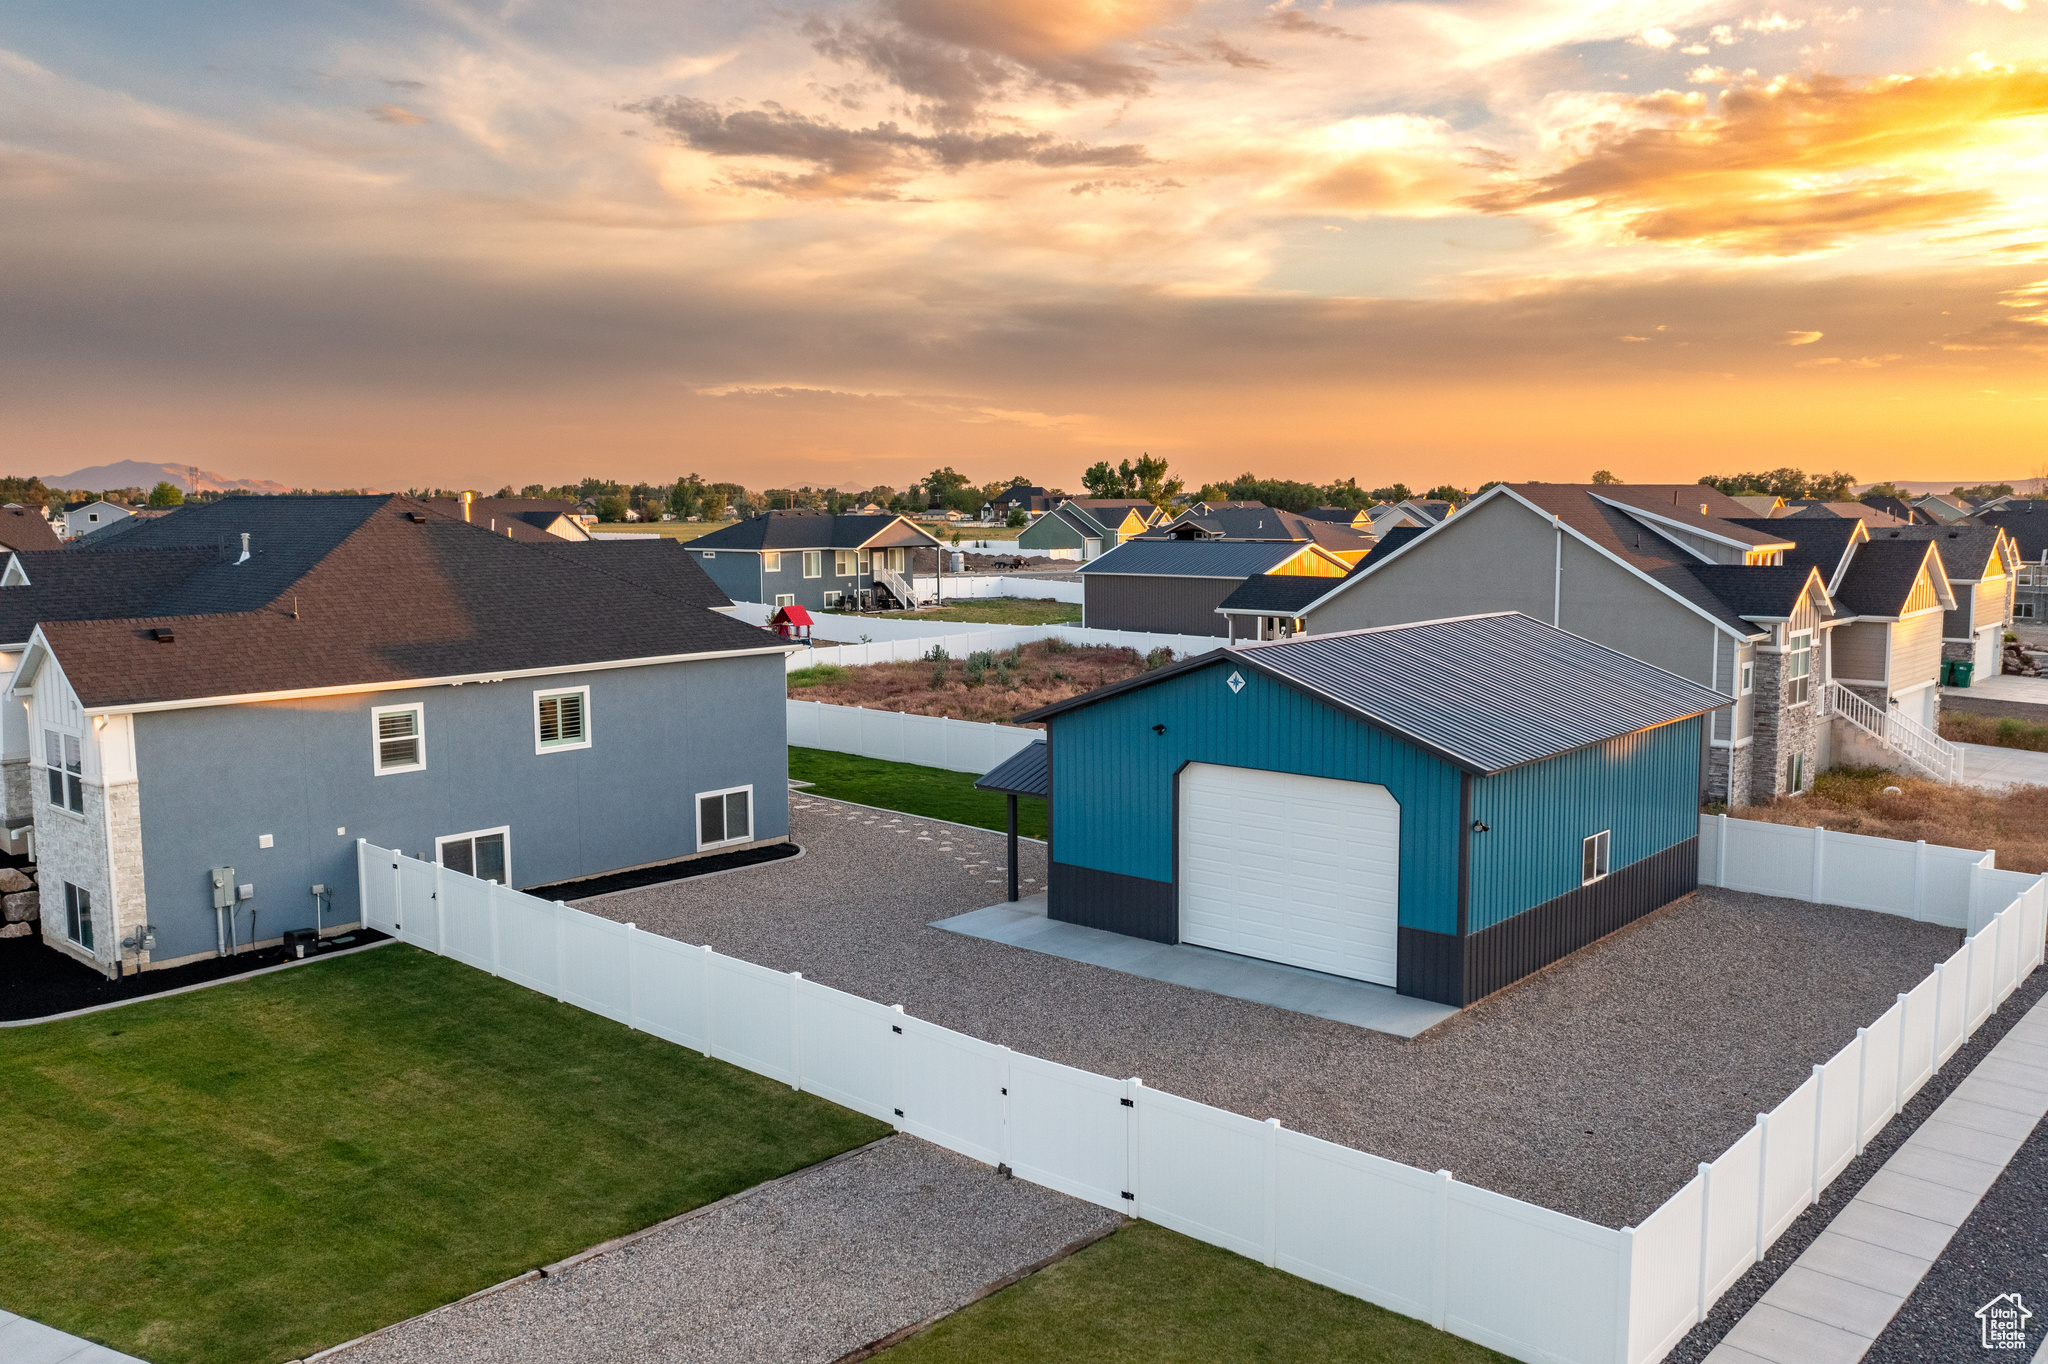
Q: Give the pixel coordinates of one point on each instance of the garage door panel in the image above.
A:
(1301, 870)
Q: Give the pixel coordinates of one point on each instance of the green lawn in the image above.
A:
(1001, 611)
(929, 791)
(1147, 1294)
(257, 1171)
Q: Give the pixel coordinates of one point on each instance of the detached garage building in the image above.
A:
(1443, 807)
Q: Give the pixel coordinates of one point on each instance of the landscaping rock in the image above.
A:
(21, 907)
(12, 879)
(15, 931)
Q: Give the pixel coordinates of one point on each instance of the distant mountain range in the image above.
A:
(134, 473)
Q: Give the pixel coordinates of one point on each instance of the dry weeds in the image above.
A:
(1853, 800)
(1007, 683)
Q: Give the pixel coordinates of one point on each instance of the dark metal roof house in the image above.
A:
(1442, 807)
(1172, 586)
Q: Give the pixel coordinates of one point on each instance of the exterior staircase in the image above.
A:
(895, 585)
(1912, 741)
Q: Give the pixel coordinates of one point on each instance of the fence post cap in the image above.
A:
(1273, 1123)
(629, 927)
(1444, 1175)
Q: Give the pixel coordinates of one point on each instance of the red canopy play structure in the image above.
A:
(792, 622)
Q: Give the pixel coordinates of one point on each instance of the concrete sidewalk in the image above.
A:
(1832, 1304)
(1990, 766)
(30, 1342)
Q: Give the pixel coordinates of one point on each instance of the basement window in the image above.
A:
(725, 817)
(1593, 858)
(78, 915)
(399, 738)
(561, 719)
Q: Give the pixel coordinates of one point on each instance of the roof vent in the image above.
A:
(164, 636)
(245, 549)
(417, 518)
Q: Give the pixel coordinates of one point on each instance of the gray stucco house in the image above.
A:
(813, 559)
(1767, 612)
(292, 674)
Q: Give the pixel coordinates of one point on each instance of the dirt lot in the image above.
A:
(1000, 686)
(1854, 801)
(1594, 1087)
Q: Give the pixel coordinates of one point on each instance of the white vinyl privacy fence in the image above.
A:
(1952, 886)
(1530, 1282)
(927, 740)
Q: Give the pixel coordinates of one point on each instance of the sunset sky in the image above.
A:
(394, 244)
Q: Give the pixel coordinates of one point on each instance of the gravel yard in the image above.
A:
(1594, 1088)
(808, 1268)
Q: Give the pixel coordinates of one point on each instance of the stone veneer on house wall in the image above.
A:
(1781, 730)
(77, 849)
(1730, 787)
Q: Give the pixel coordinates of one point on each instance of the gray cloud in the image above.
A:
(391, 113)
(859, 163)
(1294, 21)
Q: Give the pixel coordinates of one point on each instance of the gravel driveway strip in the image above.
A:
(808, 1268)
(1594, 1088)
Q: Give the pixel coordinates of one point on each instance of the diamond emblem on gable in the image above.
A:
(1237, 682)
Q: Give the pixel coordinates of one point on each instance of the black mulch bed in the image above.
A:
(662, 872)
(37, 981)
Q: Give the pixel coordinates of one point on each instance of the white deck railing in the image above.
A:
(1528, 1281)
(1910, 739)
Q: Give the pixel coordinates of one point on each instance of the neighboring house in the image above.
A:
(1033, 501)
(1982, 565)
(1070, 531)
(83, 518)
(1257, 521)
(1344, 516)
(2025, 523)
(362, 667)
(1388, 516)
(1942, 508)
(1898, 508)
(1887, 646)
(26, 528)
(813, 559)
(1127, 516)
(1397, 805)
(1856, 511)
(1269, 605)
(1668, 573)
(517, 518)
(1174, 586)
(1762, 504)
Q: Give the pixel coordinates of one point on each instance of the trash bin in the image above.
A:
(1962, 669)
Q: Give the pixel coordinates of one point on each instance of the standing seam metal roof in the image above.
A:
(1485, 692)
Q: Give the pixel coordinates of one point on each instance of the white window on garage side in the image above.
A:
(561, 719)
(1593, 858)
(725, 817)
(399, 738)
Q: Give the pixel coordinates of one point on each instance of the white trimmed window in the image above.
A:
(1799, 669)
(561, 720)
(1593, 858)
(785, 599)
(481, 853)
(832, 600)
(814, 563)
(64, 760)
(78, 915)
(843, 561)
(1748, 678)
(861, 564)
(725, 817)
(895, 561)
(398, 738)
(771, 561)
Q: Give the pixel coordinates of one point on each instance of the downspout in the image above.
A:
(1557, 578)
(1464, 889)
(99, 732)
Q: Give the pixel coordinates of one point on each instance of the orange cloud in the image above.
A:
(1799, 164)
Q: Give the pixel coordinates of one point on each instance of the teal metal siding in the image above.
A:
(1642, 786)
(1114, 779)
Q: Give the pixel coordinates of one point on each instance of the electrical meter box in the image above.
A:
(223, 887)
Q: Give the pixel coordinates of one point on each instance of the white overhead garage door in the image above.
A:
(1301, 870)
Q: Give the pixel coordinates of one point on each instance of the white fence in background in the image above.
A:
(1958, 887)
(995, 639)
(1532, 1283)
(927, 740)
(977, 586)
